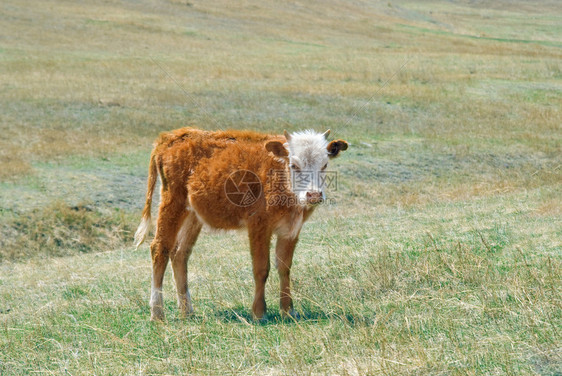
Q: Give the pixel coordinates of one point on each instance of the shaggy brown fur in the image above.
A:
(194, 167)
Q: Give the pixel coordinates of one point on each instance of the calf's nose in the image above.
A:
(314, 197)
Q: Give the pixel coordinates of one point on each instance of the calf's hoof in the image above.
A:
(290, 314)
(185, 313)
(261, 319)
(157, 314)
(259, 316)
(258, 310)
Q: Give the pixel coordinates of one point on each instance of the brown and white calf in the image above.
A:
(230, 180)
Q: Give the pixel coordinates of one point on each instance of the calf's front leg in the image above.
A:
(260, 239)
(283, 259)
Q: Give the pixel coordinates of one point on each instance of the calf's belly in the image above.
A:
(217, 211)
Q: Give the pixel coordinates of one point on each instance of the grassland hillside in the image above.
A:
(440, 254)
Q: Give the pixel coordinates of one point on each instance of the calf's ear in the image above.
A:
(277, 148)
(335, 147)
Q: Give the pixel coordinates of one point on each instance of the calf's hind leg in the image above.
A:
(187, 236)
(170, 216)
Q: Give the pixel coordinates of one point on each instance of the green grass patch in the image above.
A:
(434, 299)
(481, 37)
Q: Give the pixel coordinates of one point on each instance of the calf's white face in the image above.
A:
(309, 153)
(308, 160)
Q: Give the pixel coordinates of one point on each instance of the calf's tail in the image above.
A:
(144, 227)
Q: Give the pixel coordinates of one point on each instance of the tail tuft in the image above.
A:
(144, 226)
(142, 231)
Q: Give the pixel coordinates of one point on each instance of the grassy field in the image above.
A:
(442, 254)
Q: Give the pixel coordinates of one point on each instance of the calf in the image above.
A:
(230, 180)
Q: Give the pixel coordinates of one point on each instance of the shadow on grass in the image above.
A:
(240, 314)
(304, 315)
